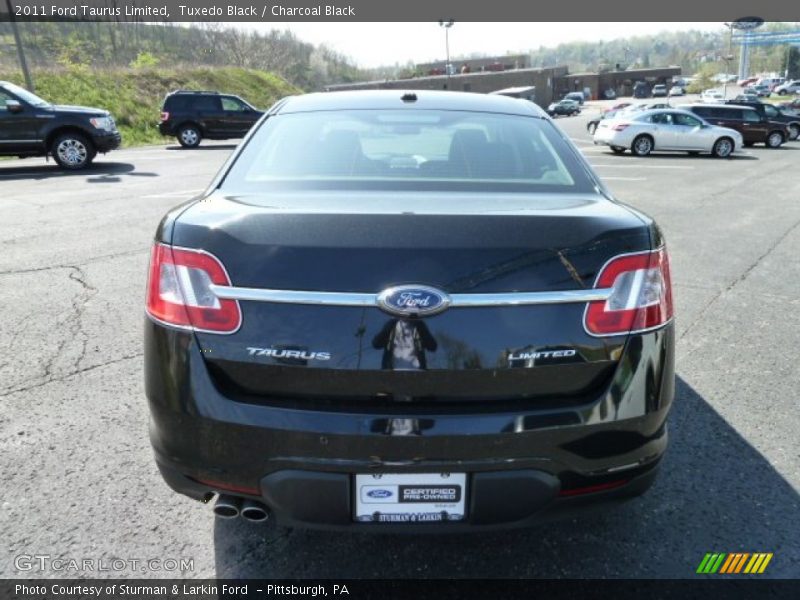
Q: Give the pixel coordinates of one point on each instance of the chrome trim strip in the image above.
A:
(294, 297)
(528, 298)
(361, 299)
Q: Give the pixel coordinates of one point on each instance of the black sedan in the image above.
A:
(408, 311)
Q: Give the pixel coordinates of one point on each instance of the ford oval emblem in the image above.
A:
(413, 300)
(379, 493)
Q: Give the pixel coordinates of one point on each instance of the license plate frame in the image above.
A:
(410, 497)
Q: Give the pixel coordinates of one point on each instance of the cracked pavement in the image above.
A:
(77, 466)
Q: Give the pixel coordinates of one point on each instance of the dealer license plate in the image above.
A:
(410, 497)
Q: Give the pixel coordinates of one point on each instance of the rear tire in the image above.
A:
(618, 149)
(189, 136)
(774, 140)
(794, 131)
(642, 145)
(591, 128)
(723, 147)
(72, 151)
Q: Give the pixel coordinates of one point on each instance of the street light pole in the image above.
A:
(20, 50)
(728, 59)
(447, 25)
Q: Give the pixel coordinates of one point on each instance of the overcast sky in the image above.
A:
(376, 44)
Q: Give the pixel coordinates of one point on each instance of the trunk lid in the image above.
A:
(366, 242)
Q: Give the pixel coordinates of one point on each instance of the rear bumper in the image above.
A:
(523, 467)
(166, 128)
(604, 136)
(505, 499)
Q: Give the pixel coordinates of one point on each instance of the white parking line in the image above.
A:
(643, 166)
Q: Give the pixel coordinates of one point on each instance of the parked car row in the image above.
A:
(719, 129)
(766, 86)
(74, 135)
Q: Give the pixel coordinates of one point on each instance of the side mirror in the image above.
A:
(13, 106)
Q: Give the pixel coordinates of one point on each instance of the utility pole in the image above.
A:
(20, 50)
(447, 25)
(728, 59)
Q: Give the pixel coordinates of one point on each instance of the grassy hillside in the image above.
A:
(134, 96)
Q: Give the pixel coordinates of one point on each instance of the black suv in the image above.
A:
(191, 116)
(773, 113)
(73, 135)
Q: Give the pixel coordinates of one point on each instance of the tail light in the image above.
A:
(620, 127)
(179, 291)
(164, 116)
(641, 295)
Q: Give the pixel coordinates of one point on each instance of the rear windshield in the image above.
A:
(407, 150)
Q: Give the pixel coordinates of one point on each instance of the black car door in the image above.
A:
(19, 127)
(239, 116)
(209, 112)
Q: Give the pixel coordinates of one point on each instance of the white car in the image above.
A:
(666, 129)
(712, 96)
(790, 87)
(676, 90)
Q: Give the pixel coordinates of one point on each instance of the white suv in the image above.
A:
(790, 87)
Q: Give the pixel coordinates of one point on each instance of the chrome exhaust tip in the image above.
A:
(227, 507)
(254, 511)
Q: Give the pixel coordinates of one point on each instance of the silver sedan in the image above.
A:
(674, 130)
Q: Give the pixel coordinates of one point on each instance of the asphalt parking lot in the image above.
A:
(78, 474)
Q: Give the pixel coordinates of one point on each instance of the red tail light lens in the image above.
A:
(179, 291)
(641, 295)
(620, 127)
(164, 116)
(591, 489)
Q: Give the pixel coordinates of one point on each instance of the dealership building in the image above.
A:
(550, 82)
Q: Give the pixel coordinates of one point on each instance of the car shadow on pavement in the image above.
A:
(679, 155)
(715, 493)
(52, 170)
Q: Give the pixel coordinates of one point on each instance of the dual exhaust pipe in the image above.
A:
(230, 507)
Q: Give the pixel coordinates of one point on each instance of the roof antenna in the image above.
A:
(409, 97)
